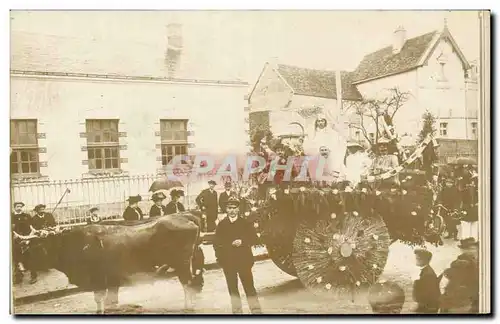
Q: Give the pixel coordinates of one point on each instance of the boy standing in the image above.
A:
(426, 288)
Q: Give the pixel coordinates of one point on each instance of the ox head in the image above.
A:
(45, 247)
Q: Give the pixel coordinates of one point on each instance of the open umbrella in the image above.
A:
(165, 184)
(463, 160)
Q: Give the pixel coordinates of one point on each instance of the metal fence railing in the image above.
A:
(107, 193)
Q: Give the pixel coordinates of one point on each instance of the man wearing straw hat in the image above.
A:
(385, 162)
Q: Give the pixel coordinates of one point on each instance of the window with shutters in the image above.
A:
(174, 139)
(24, 159)
(103, 146)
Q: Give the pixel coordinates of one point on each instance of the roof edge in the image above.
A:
(277, 70)
(344, 99)
(446, 34)
(257, 82)
(387, 75)
(112, 77)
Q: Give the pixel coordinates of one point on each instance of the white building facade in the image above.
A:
(430, 69)
(103, 121)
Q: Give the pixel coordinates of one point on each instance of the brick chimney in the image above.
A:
(399, 39)
(174, 48)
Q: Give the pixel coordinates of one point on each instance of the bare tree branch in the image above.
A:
(373, 109)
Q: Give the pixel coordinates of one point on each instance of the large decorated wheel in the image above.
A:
(274, 231)
(285, 209)
(341, 254)
(278, 235)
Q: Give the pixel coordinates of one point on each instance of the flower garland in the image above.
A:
(415, 155)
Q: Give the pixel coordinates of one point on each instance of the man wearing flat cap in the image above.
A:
(426, 290)
(158, 209)
(234, 238)
(42, 220)
(133, 212)
(223, 198)
(175, 206)
(207, 201)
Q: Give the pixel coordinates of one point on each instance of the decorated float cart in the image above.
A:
(335, 238)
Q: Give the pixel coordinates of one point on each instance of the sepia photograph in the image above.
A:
(250, 162)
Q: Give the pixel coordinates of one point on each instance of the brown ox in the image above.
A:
(101, 257)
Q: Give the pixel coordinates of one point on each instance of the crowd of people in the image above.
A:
(24, 226)
(455, 291)
(455, 196)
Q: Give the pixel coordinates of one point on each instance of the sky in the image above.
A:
(236, 44)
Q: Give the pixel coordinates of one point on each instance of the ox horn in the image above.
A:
(301, 127)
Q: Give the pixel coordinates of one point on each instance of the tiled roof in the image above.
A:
(383, 62)
(318, 83)
(51, 53)
(38, 52)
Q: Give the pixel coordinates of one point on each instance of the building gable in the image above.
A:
(446, 37)
(270, 92)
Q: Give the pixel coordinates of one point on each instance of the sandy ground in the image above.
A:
(279, 292)
(53, 280)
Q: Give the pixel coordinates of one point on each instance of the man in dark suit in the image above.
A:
(158, 209)
(42, 220)
(175, 206)
(207, 201)
(449, 198)
(35, 254)
(234, 238)
(225, 196)
(426, 290)
(133, 212)
(21, 225)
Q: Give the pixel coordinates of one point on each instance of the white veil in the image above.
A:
(334, 137)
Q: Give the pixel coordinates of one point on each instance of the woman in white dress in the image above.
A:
(357, 162)
(329, 135)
